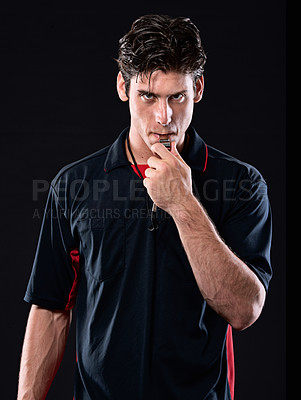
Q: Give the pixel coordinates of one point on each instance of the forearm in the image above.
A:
(43, 350)
(226, 283)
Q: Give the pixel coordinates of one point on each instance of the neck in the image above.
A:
(141, 153)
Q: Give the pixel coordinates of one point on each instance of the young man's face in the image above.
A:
(161, 107)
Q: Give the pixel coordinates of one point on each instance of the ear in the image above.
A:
(121, 87)
(199, 89)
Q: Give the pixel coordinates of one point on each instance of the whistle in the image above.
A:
(166, 143)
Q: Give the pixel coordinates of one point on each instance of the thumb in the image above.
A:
(173, 149)
(175, 152)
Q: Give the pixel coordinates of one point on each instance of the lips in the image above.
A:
(161, 135)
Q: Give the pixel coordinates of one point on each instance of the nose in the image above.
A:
(163, 112)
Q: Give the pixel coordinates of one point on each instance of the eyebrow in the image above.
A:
(142, 92)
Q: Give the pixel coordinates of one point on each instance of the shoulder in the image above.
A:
(83, 169)
(228, 167)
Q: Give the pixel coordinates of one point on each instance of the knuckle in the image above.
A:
(164, 167)
(174, 163)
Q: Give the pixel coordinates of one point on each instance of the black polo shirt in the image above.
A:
(144, 330)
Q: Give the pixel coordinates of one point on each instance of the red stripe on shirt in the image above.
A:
(206, 158)
(74, 254)
(142, 168)
(230, 358)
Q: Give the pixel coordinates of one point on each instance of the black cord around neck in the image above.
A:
(132, 155)
(154, 223)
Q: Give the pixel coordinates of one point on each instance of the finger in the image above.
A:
(150, 172)
(146, 181)
(160, 150)
(154, 162)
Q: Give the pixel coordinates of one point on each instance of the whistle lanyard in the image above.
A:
(154, 224)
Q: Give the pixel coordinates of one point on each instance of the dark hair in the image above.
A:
(160, 42)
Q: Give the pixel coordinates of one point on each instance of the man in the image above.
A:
(164, 251)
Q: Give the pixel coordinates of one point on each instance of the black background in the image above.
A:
(59, 103)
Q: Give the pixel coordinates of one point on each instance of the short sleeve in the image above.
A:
(247, 227)
(54, 277)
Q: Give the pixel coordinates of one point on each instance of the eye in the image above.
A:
(147, 96)
(178, 97)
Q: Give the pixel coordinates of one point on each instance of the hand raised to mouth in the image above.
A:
(168, 180)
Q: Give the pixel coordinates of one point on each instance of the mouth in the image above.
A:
(159, 136)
